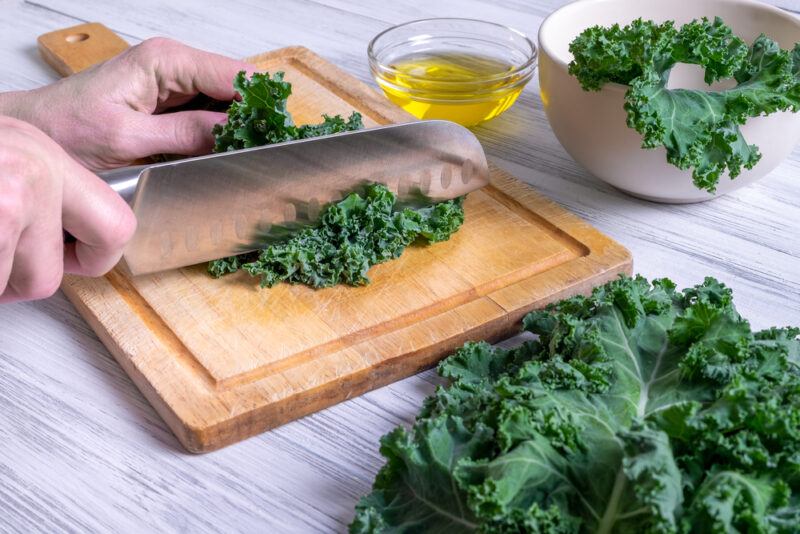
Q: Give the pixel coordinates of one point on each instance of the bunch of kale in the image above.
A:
(639, 409)
(700, 130)
(353, 234)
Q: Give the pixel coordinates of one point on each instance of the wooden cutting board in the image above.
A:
(222, 360)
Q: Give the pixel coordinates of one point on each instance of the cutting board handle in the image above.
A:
(77, 48)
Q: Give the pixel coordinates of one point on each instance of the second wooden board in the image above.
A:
(222, 360)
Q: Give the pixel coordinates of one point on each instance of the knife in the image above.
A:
(203, 208)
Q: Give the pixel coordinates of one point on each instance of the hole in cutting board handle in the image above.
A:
(76, 37)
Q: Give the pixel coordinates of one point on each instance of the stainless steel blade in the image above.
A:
(208, 207)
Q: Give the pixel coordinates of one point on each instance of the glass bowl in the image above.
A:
(463, 70)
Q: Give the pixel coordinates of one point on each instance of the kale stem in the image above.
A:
(610, 515)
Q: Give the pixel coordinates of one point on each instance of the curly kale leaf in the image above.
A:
(638, 409)
(352, 236)
(331, 125)
(261, 118)
(699, 129)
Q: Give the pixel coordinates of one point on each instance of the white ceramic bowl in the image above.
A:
(591, 125)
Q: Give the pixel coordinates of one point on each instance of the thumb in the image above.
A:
(186, 133)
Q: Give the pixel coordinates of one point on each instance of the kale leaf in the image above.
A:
(638, 409)
(353, 234)
(261, 118)
(699, 129)
(331, 125)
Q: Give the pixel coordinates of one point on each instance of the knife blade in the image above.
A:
(203, 208)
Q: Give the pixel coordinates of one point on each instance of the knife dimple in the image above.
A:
(425, 183)
(166, 244)
(289, 212)
(313, 209)
(446, 176)
(191, 239)
(241, 227)
(467, 169)
(216, 233)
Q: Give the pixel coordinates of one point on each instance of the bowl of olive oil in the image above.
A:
(462, 70)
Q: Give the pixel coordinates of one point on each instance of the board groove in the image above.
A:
(578, 249)
(118, 280)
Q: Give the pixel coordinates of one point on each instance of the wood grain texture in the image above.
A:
(81, 450)
(221, 360)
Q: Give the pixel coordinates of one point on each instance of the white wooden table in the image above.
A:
(81, 449)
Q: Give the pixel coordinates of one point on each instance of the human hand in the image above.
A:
(113, 114)
(44, 192)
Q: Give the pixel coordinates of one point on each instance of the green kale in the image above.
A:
(261, 118)
(331, 125)
(699, 129)
(638, 409)
(353, 235)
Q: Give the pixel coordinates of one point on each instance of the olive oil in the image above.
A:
(464, 88)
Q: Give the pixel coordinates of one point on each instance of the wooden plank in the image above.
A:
(222, 360)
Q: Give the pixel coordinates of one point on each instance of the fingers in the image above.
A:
(184, 132)
(185, 70)
(98, 218)
(91, 113)
(30, 213)
(7, 248)
(10, 229)
(43, 192)
(38, 262)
